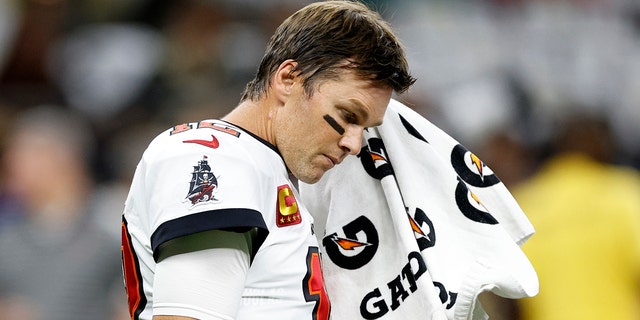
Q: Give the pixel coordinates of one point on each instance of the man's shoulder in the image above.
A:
(203, 137)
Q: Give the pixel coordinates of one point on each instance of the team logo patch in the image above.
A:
(203, 185)
(287, 211)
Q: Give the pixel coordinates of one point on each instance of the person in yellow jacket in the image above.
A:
(586, 212)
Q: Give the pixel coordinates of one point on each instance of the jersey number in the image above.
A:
(313, 286)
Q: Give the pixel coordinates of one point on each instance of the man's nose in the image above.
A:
(351, 140)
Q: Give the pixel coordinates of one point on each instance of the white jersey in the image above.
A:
(213, 175)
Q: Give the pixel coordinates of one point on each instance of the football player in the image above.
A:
(212, 227)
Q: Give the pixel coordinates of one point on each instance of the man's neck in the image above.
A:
(254, 116)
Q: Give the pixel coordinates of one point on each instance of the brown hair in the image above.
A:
(322, 36)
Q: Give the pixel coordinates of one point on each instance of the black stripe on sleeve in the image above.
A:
(224, 219)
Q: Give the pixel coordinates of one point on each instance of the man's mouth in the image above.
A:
(332, 160)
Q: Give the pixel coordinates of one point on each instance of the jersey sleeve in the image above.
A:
(191, 188)
(205, 284)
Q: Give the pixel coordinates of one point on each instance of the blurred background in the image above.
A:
(536, 88)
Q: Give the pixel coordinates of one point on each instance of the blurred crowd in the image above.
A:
(85, 85)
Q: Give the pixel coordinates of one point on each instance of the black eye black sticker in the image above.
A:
(334, 124)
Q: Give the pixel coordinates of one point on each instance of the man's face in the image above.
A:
(315, 133)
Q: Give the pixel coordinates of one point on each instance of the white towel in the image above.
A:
(416, 227)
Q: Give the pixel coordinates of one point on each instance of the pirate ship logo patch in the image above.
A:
(203, 185)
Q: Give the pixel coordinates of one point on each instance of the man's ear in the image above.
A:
(284, 79)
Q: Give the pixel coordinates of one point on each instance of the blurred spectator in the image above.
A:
(54, 262)
(586, 212)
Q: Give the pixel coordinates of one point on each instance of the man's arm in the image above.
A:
(192, 281)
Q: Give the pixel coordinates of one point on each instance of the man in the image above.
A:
(212, 228)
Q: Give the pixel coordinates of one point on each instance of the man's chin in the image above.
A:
(309, 179)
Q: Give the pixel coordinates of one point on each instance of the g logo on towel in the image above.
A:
(351, 252)
(471, 169)
(374, 159)
(471, 206)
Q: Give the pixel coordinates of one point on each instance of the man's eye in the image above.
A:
(349, 117)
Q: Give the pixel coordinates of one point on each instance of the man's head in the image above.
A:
(328, 73)
(325, 38)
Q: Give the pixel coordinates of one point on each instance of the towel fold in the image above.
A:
(416, 226)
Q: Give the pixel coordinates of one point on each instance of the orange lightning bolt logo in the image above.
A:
(414, 225)
(348, 244)
(376, 156)
(477, 199)
(478, 164)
